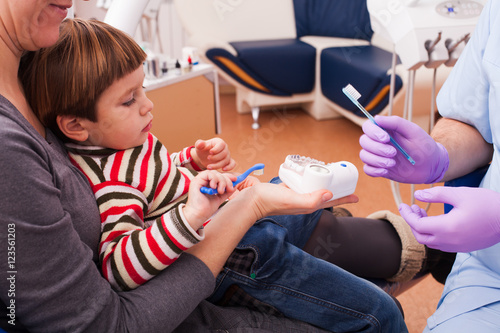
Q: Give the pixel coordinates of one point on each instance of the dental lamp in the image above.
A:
(126, 15)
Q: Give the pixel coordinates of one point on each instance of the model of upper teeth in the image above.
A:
(305, 175)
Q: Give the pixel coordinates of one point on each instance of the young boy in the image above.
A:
(101, 110)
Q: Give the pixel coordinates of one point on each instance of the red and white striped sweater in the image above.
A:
(140, 193)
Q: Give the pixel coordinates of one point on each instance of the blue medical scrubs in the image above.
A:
(471, 296)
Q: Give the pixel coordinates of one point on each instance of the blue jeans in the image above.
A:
(307, 288)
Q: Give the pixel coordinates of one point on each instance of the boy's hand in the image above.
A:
(213, 154)
(200, 207)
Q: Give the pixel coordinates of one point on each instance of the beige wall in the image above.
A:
(184, 112)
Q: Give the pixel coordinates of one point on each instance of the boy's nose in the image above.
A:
(148, 107)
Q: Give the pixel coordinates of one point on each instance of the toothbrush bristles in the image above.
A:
(354, 95)
(352, 91)
(259, 172)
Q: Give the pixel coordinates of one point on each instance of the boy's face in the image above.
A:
(123, 114)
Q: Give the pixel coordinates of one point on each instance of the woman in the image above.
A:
(51, 224)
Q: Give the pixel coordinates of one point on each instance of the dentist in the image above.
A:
(468, 137)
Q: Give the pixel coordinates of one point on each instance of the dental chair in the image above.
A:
(292, 52)
(472, 179)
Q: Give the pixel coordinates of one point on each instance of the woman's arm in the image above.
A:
(132, 254)
(467, 149)
(232, 221)
(52, 213)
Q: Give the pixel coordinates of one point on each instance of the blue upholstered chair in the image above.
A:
(292, 52)
(472, 179)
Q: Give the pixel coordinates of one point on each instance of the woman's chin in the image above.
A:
(46, 32)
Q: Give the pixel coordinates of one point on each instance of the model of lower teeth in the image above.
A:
(305, 175)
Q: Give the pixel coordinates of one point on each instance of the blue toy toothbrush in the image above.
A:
(257, 167)
(354, 95)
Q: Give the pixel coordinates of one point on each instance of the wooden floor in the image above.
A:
(292, 131)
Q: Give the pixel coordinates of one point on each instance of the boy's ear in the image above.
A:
(72, 127)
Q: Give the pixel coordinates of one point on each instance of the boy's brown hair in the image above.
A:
(69, 77)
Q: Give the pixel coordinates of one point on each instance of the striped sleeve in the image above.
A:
(184, 159)
(132, 187)
(132, 254)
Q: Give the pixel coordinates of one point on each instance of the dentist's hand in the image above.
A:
(382, 159)
(472, 224)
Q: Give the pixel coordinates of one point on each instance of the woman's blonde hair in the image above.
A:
(69, 77)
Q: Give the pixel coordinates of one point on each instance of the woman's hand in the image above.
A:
(273, 199)
(200, 207)
(213, 154)
(233, 220)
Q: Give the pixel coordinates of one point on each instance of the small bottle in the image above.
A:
(164, 68)
(177, 67)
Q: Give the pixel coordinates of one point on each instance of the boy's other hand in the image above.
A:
(213, 154)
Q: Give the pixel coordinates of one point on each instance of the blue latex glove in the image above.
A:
(382, 159)
(472, 224)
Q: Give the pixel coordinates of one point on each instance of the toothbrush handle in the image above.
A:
(398, 147)
(239, 179)
(408, 157)
(208, 190)
(244, 175)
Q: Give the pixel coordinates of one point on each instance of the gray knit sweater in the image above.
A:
(49, 236)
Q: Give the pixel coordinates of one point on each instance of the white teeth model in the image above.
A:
(305, 175)
(298, 163)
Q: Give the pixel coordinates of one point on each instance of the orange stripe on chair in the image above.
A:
(380, 96)
(241, 73)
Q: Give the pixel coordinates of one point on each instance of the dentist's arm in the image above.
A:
(474, 222)
(466, 148)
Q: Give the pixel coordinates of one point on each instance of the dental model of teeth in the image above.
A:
(305, 175)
